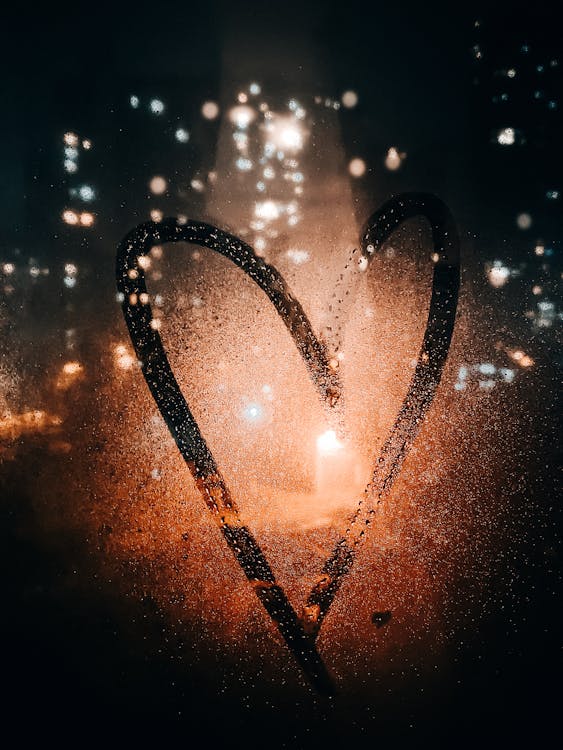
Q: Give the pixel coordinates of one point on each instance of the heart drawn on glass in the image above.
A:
(299, 631)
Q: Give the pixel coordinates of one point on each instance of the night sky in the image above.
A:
(472, 95)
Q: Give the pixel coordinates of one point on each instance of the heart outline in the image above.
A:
(299, 633)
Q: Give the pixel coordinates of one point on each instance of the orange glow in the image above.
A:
(123, 359)
(328, 443)
(70, 217)
(71, 372)
(36, 420)
(522, 359)
(72, 368)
